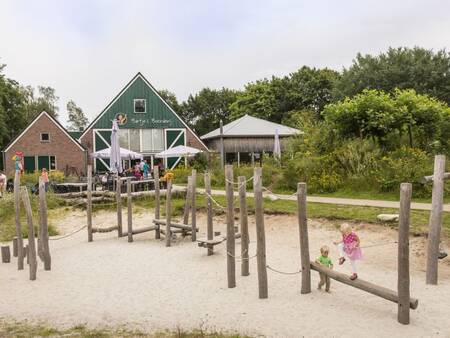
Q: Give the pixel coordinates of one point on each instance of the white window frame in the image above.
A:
(44, 141)
(145, 106)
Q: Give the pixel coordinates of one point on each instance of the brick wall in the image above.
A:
(193, 142)
(86, 141)
(66, 151)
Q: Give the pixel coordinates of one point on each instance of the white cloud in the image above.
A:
(87, 50)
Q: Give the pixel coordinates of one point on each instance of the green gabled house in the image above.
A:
(148, 125)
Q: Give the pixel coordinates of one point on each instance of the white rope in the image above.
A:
(240, 258)
(68, 235)
(277, 195)
(283, 272)
(214, 201)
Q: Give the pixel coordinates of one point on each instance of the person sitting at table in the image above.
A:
(137, 173)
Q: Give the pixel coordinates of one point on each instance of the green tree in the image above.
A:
(171, 100)
(77, 121)
(425, 71)
(46, 100)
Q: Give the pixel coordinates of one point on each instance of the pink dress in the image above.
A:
(350, 249)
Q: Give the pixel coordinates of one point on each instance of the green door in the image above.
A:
(43, 162)
(29, 164)
(174, 138)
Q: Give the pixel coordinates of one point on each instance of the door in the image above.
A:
(174, 137)
(43, 162)
(29, 164)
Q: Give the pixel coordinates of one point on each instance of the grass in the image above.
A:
(26, 329)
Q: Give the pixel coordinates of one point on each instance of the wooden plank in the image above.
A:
(43, 226)
(435, 223)
(304, 241)
(129, 212)
(157, 199)
(358, 283)
(209, 212)
(193, 205)
(20, 253)
(243, 219)
(187, 227)
(427, 179)
(188, 200)
(168, 232)
(89, 203)
(119, 205)
(403, 253)
(214, 241)
(140, 230)
(31, 240)
(260, 234)
(6, 254)
(231, 244)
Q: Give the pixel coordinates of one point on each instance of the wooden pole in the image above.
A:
(245, 240)
(222, 148)
(231, 263)
(15, 247)
(20, 253)
(89, 202)
(188, 200)
(130, 211)
(260, 234)
(157, 200)
(304, 241)
(43, 226)
(209, 212)
(435, 223)
(119, 205)
(6, 254)
(168, 233)
(193, 206)
(403, 253)
(31, 241)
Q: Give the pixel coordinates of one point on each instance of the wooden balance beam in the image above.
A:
(210, 243)
(364, 285)
(140, 231)
(186, 227)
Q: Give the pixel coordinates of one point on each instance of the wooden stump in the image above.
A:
(260, 234)
(89, 202)
(245, 240)
(6, 254)
(20, 253)
(44, 250)
(193, 206)
(209, 213)
(157, 200)
(31, 240)
(15, 247)
(304, 241)
(231, 263)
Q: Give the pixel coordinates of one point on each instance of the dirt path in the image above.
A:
(147, 286)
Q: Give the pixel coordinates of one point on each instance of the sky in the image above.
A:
(88, 50)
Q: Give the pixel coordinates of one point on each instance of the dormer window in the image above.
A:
(45, 137)
(140, 106)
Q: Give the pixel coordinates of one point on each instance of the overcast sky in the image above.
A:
(89, 49)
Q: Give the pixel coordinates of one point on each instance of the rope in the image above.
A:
(239, 185)
(283, 272)
(68, 235)
(215, 202)
(278, 196)
(240, 258)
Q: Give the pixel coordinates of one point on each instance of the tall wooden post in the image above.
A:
(209, 212)
(157, 200)
(168, 212)
(231, 237)
(304, 241)
(222, 148)
(119, 205)
(194, 206)
(403, 253)
(43, 226)
(89, 202)
(20, 251)
(188, 200)
(435, 223)
(260, 234)
(130, 211)
(31, 240)
(244, 226)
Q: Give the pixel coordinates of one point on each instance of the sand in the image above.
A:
(144, 285)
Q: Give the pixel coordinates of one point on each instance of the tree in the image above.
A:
(77, 120)
(204, 110)
(171, 100)
(423, 70)
(47, 100)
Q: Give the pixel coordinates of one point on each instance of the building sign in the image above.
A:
(154, 123)
(121, 119)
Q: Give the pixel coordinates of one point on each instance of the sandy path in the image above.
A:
(147, 286)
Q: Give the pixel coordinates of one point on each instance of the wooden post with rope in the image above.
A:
(89, 202)
(187, 203)
(43, 227)
(231, 263)
(304, 241)
(403, 254)
(119, 205)
(260, 234)
(20, 250)
(194, 206)
(244, 226)
(435, 223)
(129, 211)
(157, 200)
(209, 212)
(168, 232)
(31, 240)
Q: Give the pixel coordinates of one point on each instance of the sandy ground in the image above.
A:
(146, 286)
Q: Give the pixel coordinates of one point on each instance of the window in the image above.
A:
(142, 140)
(123, 139)
(158, 139)
(152, 140)
(135, 140)
(52, 163)
(140, 105)
(47, 162)
(45, 137)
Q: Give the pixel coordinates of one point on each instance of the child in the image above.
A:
(324, 260)
(45, 178)
(349, 247)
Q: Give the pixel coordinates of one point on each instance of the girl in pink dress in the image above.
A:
(349, 247)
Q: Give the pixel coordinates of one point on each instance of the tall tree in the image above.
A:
(425, 71)
(77, 121)
(46, 100)
(171, 100)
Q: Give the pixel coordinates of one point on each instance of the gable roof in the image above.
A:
(55, 121)
(139, 75)
(249, 126)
